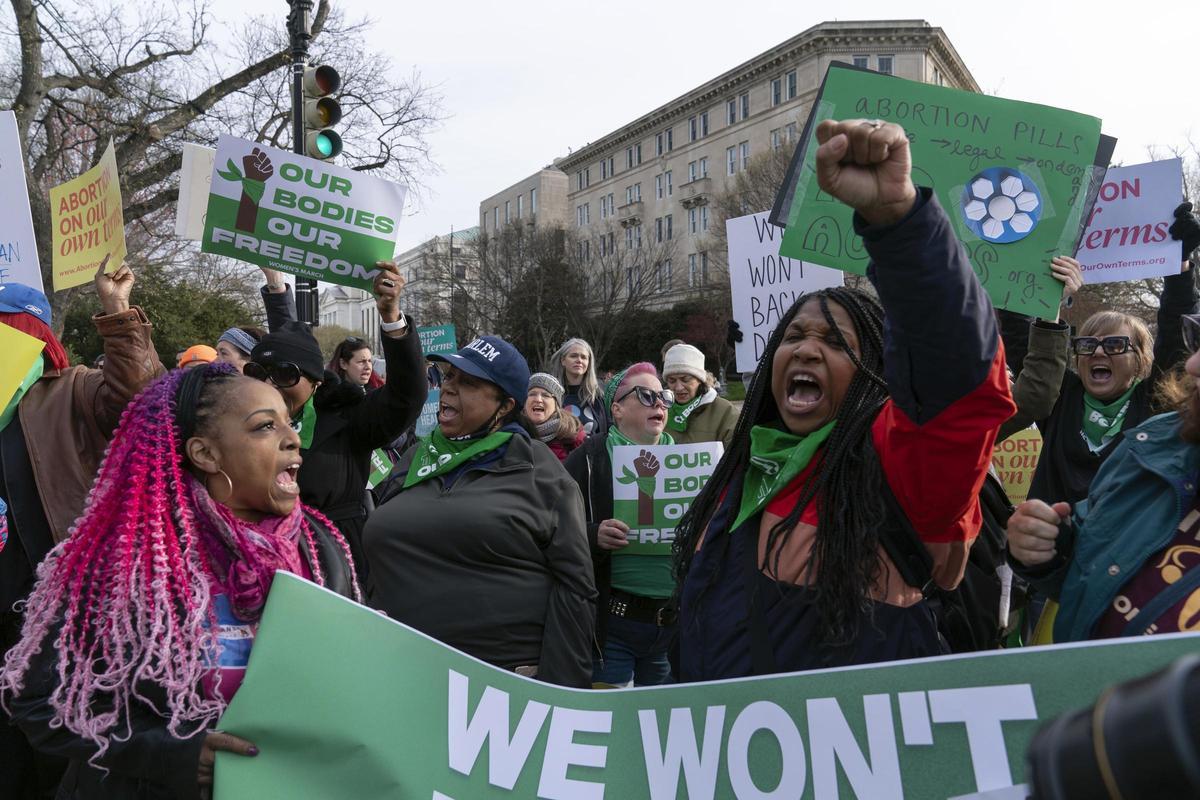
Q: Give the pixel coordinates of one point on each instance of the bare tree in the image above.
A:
(145, 75)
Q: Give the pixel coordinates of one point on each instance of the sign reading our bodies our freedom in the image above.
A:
(764, 284)
(1015, 179)
(422, 721)
(300, 215)
(654, 485)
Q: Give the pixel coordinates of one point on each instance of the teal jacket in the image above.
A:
(1134, 507)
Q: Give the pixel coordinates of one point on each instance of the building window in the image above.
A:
(603, 168)
(612, 169)
(745, 146)
(612, 204)
(885, 64)
(584, 178)
(790, 128)
(658, 187)
(637, 193)
(693, 220)
(693, 271)
(861, 61)
(704, 124)
(776, 91)
(731, 159)
(776, 139)
(629, 238)
(791, 85)
(703, 218)
(495, 218)
(603, 207)
(583, 214)
(658, 229)
(667, 174)
(520, 205)
(704, 167)
(692, 171)
(533, 201)
(603, 242)
(670, 139)
(745, 99)
(731, 111)
(669, 227)
(938, 80)
(693, 129)
(637, 152)
(507, 215)
(628, 195)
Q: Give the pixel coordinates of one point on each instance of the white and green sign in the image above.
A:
(423, 721)
(381, 467)
(654, 486)
(437, 339)
(296, 214)
(429, 412)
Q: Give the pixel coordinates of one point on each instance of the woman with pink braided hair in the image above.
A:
(138, 630)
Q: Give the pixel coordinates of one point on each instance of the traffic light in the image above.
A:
(321, 111)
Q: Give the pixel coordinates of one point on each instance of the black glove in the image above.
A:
(733, 333)
(1186, 228)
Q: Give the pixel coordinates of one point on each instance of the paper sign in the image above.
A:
(299, 215)
(195, 184)
(88, 223)
(429, 412)
(764, 284)
(437, 339)
(18, 247)
(654, 485)
(20, 351)
(420, 720)
(1015, 460)
(1127, 236)
(1014, 179)
(381, 467)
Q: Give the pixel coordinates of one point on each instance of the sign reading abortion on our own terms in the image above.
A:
(653, 486)
(437, 339)
(88, 222)
(764, 284)
(18, 248)
(1127, 236)
(300, 215)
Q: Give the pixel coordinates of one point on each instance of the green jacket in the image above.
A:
(712, 422)
(1035, 391)
(1133, 509)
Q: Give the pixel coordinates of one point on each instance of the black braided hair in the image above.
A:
(848, 479)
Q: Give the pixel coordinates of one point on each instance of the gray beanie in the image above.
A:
(546, 381)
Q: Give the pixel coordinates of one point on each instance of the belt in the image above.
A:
(636, 608)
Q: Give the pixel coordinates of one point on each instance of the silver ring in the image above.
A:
(874, 124)
(387, 282)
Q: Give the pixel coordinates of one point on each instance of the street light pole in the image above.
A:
(300, 32)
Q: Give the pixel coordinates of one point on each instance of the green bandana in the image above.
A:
(776, 458)
(31, 377)
(677, 417)
(254, 189)
(437, 455)
(1102, 421)
(615, 438)
(307, 424)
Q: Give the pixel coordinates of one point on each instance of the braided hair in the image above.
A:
(846, 484)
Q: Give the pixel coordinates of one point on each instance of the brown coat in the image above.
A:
(69, 415)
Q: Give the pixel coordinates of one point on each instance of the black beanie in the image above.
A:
(292, 342)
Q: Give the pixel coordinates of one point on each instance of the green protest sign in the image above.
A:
(437, 339)
(381, 467)
(653, 487)
(416, 719)
(297, 214)
(1016, 180)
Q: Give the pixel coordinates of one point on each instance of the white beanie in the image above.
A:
(683, 358)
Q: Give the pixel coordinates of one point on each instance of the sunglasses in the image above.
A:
(1191, 332)
(647, 397)
(1112, 345)
(283, 375)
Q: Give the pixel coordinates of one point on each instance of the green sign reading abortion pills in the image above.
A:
(295, 214)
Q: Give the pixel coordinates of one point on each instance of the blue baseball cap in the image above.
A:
(17, 298)
(492, 359)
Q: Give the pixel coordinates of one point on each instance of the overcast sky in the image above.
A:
(524, 80)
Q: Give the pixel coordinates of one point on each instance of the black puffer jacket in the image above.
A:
(151, 764)
(591, 468)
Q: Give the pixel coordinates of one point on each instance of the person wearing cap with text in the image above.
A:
(53, 434)
(340, 425)
(482, 544)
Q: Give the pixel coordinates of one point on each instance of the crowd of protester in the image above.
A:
(146, 511)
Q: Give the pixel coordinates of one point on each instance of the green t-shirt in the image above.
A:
(644, 575)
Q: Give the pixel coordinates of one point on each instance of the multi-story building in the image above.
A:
(653, 178)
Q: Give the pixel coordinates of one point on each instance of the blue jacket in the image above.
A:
(1133, 509)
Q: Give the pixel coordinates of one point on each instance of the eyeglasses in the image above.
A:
(283, 375)
(647, 396)
(1112, 345)
(1191, 332)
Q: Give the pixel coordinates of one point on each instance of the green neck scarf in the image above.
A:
(1102, 421)
(306, 425)
(776, 458)
(615, 437)
(677, 417)
(437, 455)
(31, 377)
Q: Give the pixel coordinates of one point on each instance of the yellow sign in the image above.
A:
(1015, 460)
(21, 350)
(88, 223)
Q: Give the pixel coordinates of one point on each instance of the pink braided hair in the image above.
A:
(131, 586)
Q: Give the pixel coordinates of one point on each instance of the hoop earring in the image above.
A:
(228, 480)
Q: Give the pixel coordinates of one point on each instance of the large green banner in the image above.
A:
(1016, 180)
(345, 703)
(300, 215)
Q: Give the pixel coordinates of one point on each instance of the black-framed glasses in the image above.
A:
(1112, 345)
(283, 374)
(647, 397)
(1191, 332)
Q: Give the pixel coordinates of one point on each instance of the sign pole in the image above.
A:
(300, 31)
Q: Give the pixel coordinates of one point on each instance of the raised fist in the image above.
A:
(646, 465)
(257, 165)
